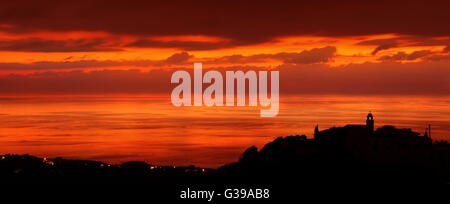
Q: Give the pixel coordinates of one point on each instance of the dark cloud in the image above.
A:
(438, 57)
(44, 45)
(248, 22)
(179, 58)
(45, 65)
(106, 81)
(184, 45)
(404, 41)
(446, 49)
(315, 55)
(403, 56)
(382, 44)
(196, 45)
(233, 59)
(175, 59)
(425, 77)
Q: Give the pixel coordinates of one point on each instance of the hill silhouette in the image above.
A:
(353, 155)
(291, 157)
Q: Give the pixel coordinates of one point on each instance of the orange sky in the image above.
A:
(49, 57)
(114, 53)
(52, 40)
(349, 49)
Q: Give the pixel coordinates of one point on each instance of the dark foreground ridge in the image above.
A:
(353, 155)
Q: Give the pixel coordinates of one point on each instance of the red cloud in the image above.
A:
(403, 56)
(427, 77)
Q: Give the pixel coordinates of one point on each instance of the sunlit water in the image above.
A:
(148, 128)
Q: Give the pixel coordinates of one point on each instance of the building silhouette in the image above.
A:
(386, 144)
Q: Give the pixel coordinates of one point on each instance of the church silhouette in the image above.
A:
(386, 144)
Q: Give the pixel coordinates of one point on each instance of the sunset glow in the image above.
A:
(97, 85)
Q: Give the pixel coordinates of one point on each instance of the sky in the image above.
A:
(92, 47)
(91, 79)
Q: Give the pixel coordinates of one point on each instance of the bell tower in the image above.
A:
(369, 122)
(316, 132)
